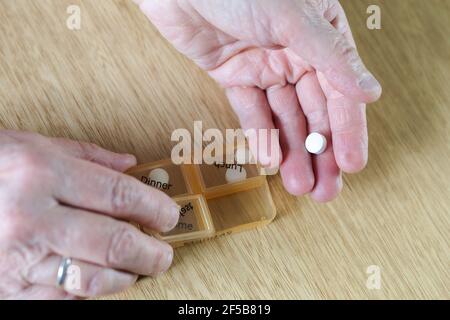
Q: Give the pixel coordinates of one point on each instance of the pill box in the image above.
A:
(215, 199)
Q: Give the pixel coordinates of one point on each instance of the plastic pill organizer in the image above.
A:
(214, 199)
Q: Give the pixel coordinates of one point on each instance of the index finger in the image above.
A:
(95, 188)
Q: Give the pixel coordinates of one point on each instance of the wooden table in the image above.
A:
(117, 83)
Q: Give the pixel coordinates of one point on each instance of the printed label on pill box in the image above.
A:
(155, 183)
(168, 179)
(188, 221)
(219, 174)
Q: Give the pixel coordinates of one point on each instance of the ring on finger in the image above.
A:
(66, 262)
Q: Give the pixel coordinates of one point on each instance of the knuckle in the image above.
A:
(21, 258)
(29, 168)
(347, 119)
(315, 5)
(122, 245)
(317, 117)
(14, 223)
(287, 116)
(347, 51)
(155, 207)
(27, 158)
(88, 149)
(123, 194)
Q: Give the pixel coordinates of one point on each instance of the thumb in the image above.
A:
(314, 39)
(92, 152)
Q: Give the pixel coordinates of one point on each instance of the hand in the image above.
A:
(61, 198)
(288, 64)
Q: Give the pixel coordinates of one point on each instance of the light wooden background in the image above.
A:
(118, 84)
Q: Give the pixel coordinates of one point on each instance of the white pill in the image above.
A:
(159, 175)
(235, 174)
(316, 143)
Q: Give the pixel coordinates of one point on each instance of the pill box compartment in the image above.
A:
(194, 223)
(242, 210)
(165, 176)
(233, 213)
(222, 178)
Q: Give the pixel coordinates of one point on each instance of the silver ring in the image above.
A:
(62, 271)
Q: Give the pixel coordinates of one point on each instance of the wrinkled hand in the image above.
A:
(61, 198)
(289, 64)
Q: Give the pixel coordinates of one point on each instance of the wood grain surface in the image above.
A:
(117, 83)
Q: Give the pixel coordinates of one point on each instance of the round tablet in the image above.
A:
(235, 174)
(316, 143)
(159, 175)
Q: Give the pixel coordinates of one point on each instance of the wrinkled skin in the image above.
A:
(289, 64)
(285, 64)
(63, 198)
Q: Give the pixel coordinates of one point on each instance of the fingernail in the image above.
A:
(368, 83)
(340, 182)
(169, 259)
(166, 262)
(129, 159)
(172, 214)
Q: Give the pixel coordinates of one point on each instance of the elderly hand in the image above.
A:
(289, 64)
(61, 198)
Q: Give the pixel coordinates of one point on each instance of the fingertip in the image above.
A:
(170, 217)
(327, 192)
(297, 186)
(166, 261)
(370, 87)
(123, 162)
(158, 259)
(163, 212)
(361, 89)
(128, 160)
(323, 197)
(352, 161)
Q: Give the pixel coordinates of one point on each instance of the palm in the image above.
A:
(270, 84)
(231, 61)
(262, 68)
